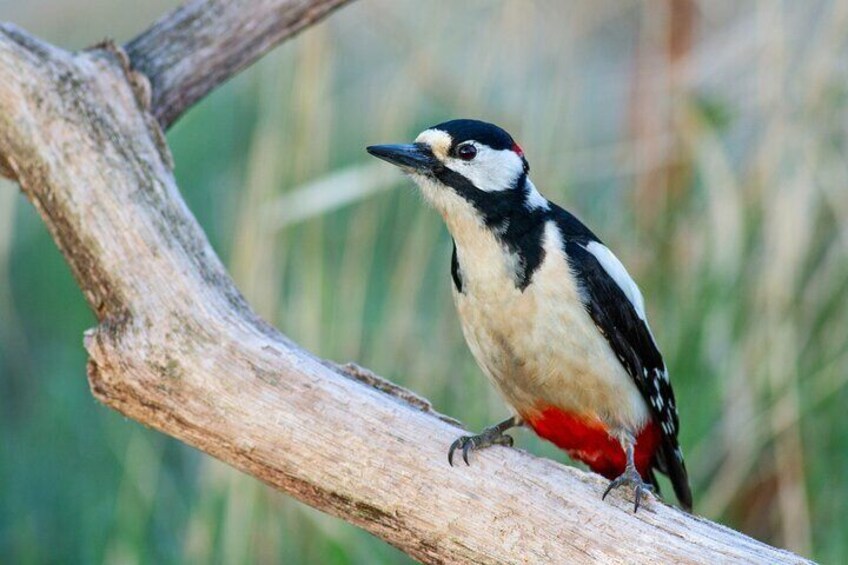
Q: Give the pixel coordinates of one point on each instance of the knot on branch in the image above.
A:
(363, 375)
(141, 88)
(6, 170)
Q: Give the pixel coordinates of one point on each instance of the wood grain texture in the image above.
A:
(178, 349)
(201, 44)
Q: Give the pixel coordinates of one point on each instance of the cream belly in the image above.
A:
(540, 347)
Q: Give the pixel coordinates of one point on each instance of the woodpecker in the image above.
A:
(549, 312)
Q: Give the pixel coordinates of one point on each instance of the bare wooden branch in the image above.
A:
(200, 45)
(178, 349)
(5, 170)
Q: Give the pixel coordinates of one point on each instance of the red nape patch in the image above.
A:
(517, 149)
(588, 441)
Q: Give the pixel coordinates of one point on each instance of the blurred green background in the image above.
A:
(704, 140)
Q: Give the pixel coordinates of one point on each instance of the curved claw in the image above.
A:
(639, 490)
(630, 476)
(454, 446)
(469, 445)
(489, 436)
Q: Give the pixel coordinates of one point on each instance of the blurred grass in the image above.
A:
(718, 174)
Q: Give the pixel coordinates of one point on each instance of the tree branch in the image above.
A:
(178, 348)
(203, 43)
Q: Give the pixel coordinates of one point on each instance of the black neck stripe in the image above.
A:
(518, 227)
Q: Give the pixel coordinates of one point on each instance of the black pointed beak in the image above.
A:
(412, 157)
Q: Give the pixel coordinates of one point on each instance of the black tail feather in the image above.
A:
(669, 463)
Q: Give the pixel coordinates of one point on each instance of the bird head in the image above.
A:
(467, 167)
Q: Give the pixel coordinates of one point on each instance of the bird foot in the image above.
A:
(490, 436)
(631, 477)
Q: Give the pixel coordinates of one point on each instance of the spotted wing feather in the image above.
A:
(630, 338)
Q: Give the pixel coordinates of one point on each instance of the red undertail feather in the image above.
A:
(588, 441)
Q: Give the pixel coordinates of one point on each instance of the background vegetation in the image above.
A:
(705, 141)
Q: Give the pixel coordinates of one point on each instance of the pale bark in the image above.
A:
(178, 349)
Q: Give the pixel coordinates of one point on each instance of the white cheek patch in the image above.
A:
(619, 274)
(491, 170)
(439, 142)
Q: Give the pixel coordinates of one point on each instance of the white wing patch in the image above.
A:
(534, 198)
(619, 274)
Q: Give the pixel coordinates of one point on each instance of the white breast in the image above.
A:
(539, 347)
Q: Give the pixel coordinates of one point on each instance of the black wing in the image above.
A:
(631, 340)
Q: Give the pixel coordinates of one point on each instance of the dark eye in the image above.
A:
(466, 152)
